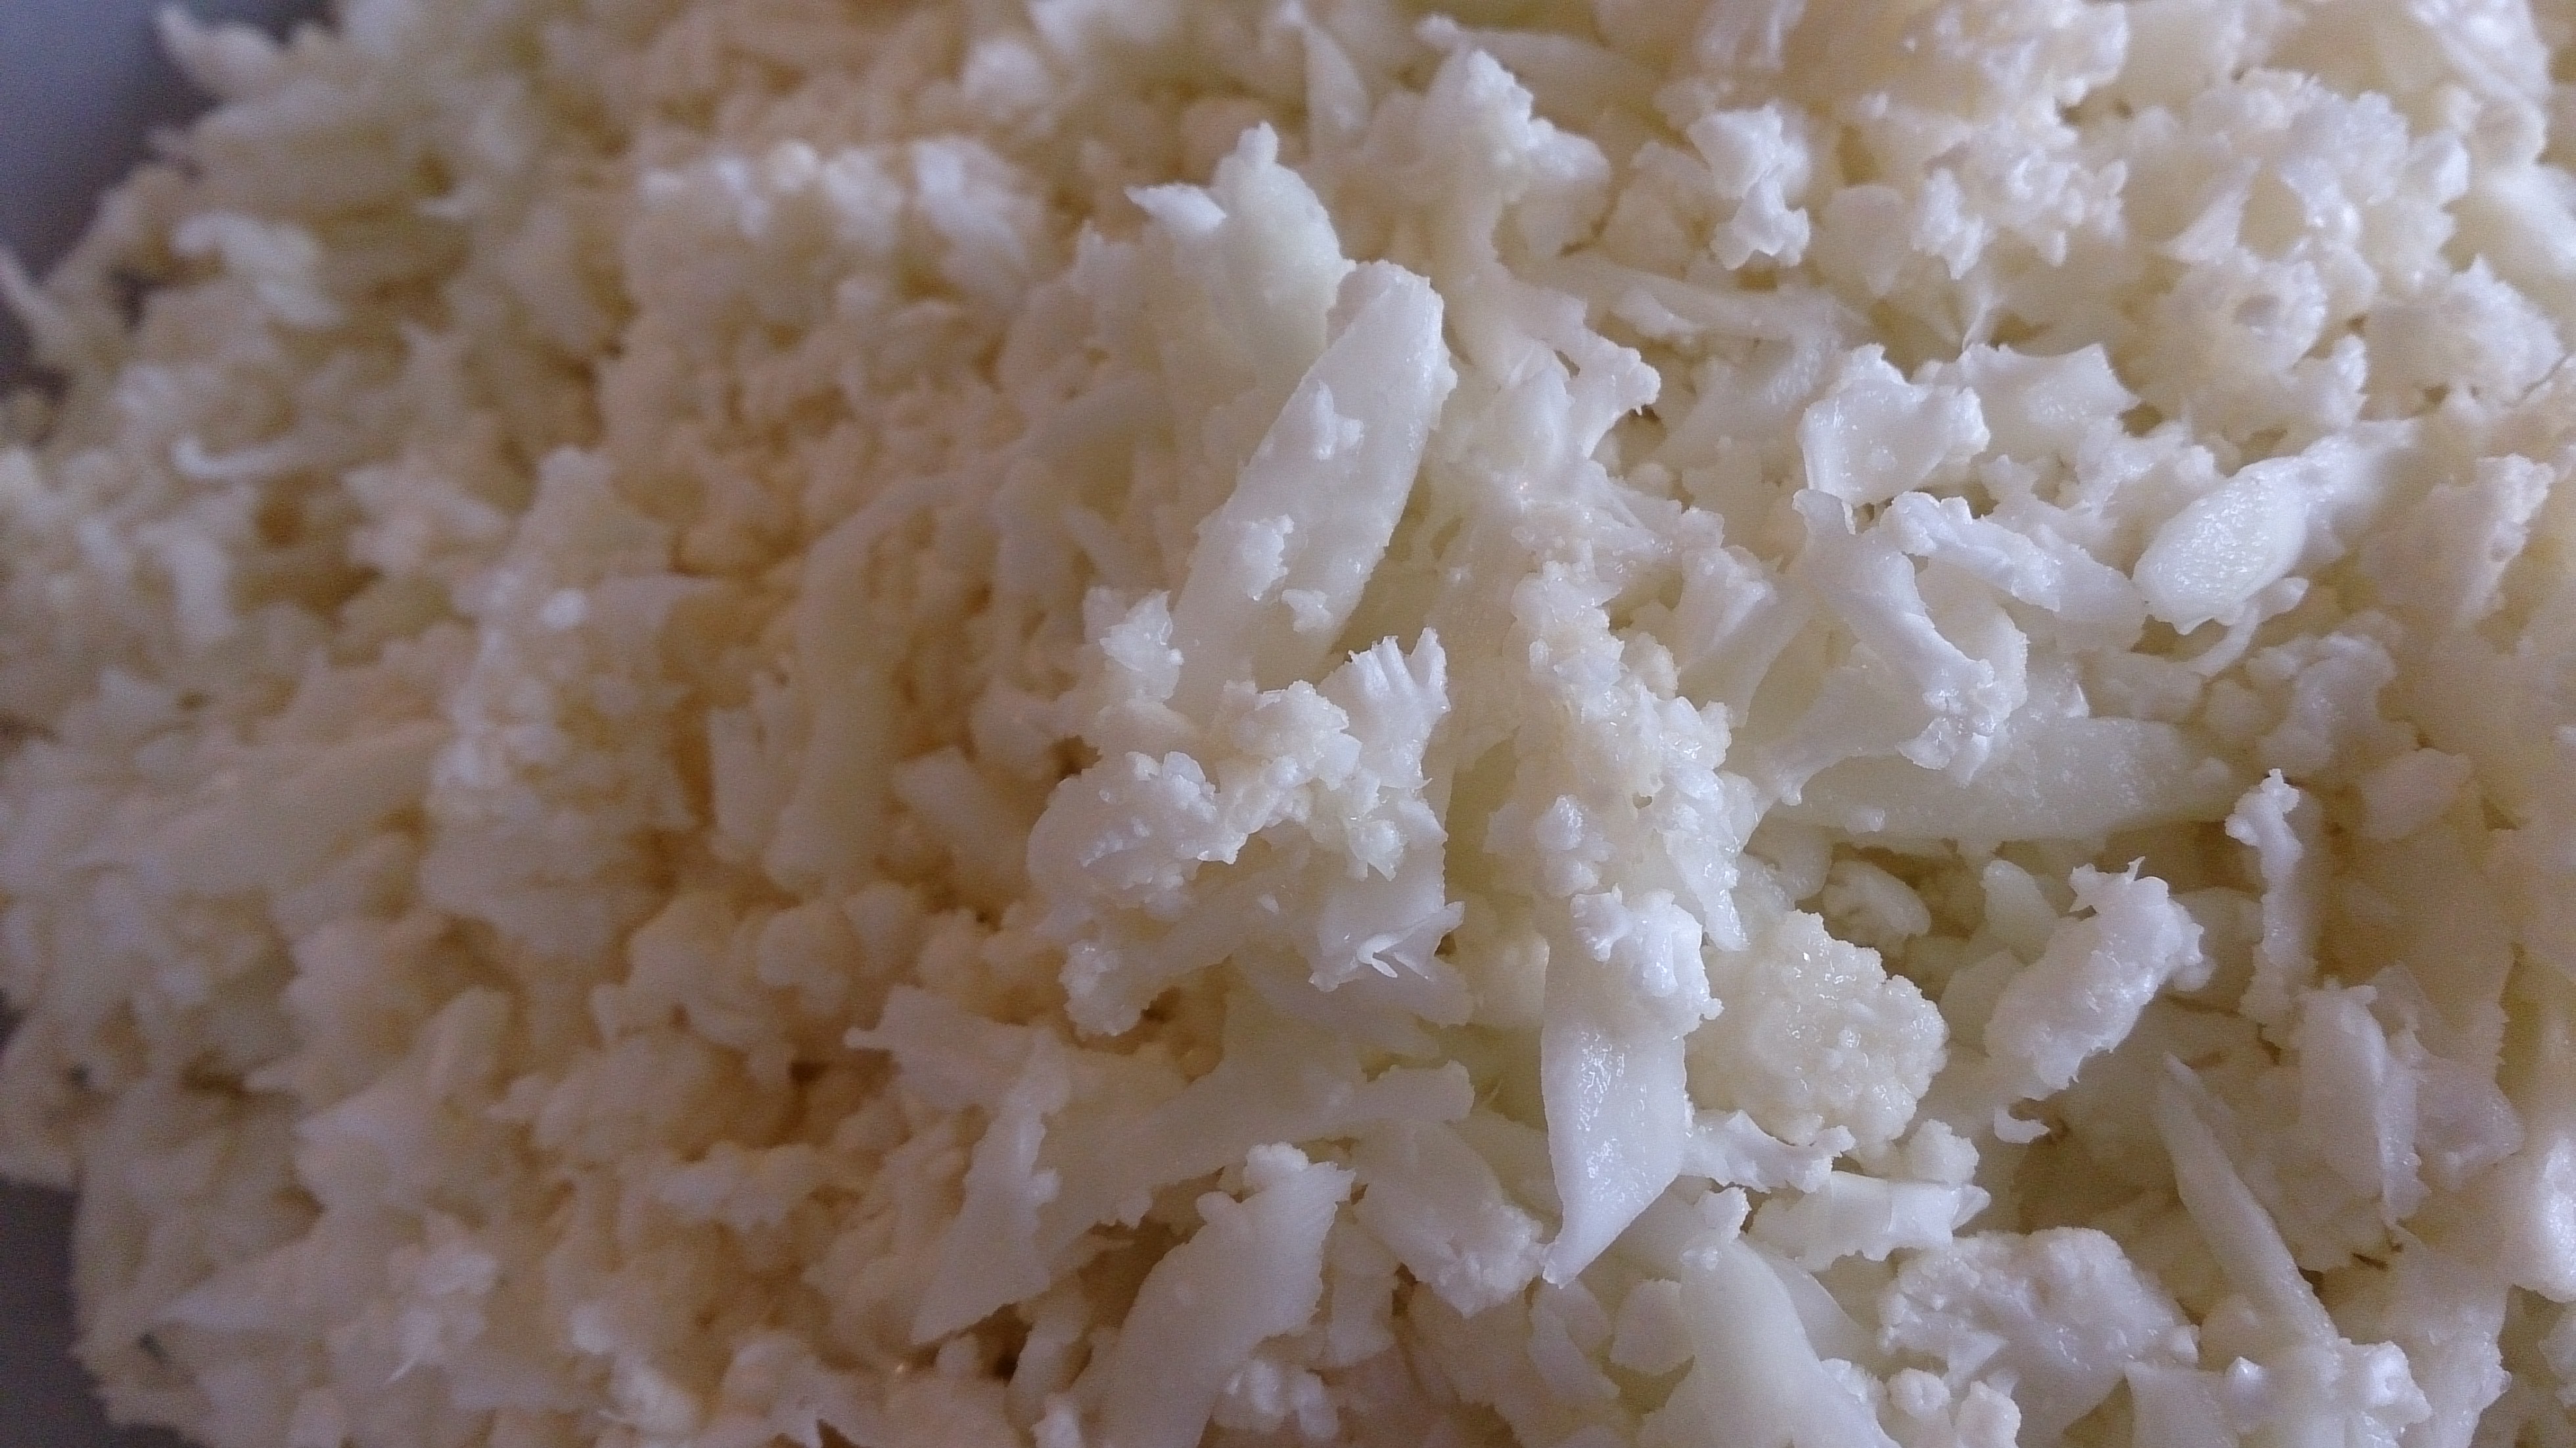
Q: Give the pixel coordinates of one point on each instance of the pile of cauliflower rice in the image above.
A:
(1141, 723)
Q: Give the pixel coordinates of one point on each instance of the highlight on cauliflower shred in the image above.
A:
(1127, 724)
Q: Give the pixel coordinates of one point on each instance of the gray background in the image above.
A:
(82, 84)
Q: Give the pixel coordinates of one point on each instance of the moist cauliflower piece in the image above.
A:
(1814, 1035)
(1137, 724)
(2054, 1319)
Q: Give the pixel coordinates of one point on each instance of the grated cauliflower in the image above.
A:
(1129, 724)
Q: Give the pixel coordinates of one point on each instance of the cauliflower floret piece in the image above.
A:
(2056, 1315)
(2084, 993)
(1760, 160)
(2301, 1370)
(2444, 563)
(1851, 1215)
(1876, 435)
(1253, 1271)
(1816, 1034)
(1930, 1416)
(1873, 907)
(1440, 1209)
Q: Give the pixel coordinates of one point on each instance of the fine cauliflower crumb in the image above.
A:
(1147, 724)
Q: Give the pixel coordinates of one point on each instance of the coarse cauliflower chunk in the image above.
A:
(1815, 1036)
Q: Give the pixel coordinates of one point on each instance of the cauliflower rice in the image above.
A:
(1122, 723)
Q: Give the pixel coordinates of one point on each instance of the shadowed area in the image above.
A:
(44, 1397)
